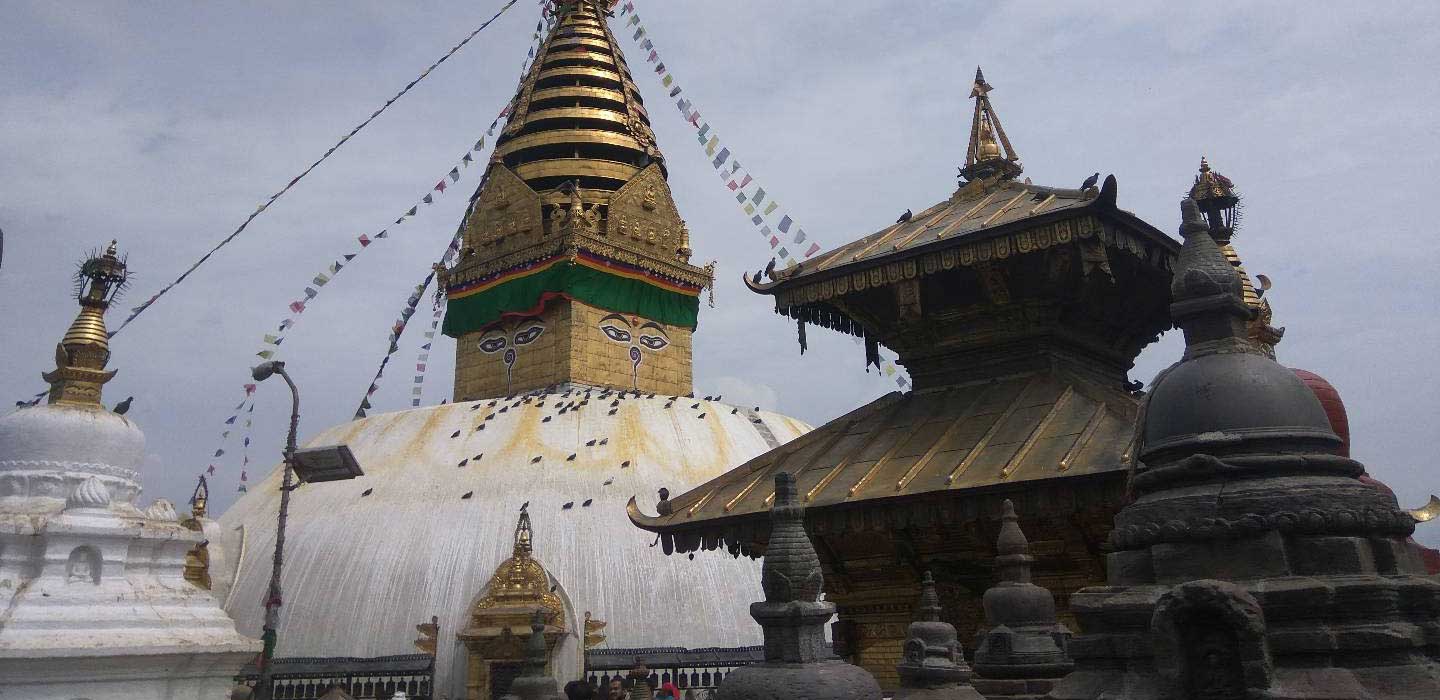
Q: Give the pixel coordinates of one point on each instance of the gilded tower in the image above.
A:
(575, 265)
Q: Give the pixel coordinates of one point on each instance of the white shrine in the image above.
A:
(94, 598)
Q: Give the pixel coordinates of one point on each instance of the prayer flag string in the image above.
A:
(136, 311)
(271, 341)
(787, 240)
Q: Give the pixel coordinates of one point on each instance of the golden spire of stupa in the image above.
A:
(81, 356)
(1218, 200)
(990, 152)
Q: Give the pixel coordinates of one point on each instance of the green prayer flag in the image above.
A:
(771, 208)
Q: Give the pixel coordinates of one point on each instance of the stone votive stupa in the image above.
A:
(932, 665)
(798, 663)
(1253, 562)
(1023, 654)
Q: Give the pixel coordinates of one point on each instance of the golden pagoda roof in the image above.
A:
(985, 434)
(984, 220)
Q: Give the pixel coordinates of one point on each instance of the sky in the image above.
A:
(164, 124)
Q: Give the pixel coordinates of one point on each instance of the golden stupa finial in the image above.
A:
(81, 356)
(1219, 202)
(523, 535)
(990, 153)
(199, 499)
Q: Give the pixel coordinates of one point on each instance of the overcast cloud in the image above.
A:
(165, 124)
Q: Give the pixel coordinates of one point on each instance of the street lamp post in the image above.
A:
(310, 465)
(262, 372)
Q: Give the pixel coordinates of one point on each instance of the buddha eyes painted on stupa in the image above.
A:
(650, 335)
(524, 332)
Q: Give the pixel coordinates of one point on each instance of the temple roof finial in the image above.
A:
(990, 153)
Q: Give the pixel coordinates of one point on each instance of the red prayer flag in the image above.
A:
(297, 306)
(814, 248)
(364, 240)
(249, 389)
(440, 185)
(733, 186)
(774, 241)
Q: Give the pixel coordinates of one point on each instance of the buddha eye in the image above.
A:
(653, 342)
(617, 334)
(492, 344)
(529, 335)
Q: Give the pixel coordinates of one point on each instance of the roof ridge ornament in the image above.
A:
(990, 154)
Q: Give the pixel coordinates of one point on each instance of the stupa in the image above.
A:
(932, 665)
(1253, 561)
(573, 304)
(94, 601)
(798, 663)
(1023, 653)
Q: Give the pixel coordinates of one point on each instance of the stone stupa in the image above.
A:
(798, 663)
(1023, 654)
(1253, 562)
(932, 665)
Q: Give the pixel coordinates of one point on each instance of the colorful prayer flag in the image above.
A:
(675, 91)
(297, 306)
(365, 240)
(771, 208)
(720, 159)
(774, 241)
(814, 248)
(310, 292)
(440, 186)
(320, 280)
(747, 179)
(785, 222)
(454, 174)
(756, 219)
(428, 199)
(783, 253)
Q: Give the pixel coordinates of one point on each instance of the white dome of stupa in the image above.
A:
(46, 451)
(421, 533)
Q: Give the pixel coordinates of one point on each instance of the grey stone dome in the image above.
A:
(1223, 399)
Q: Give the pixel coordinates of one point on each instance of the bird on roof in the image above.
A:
(367, 492)
(611, 412)
(535, 459)
(1089, 182)
(477, 457)
(770, 269)
(571, 458)
(609, 481)
(587, 503)
(735, 410)
(455, 434)
(467, 495)
(717, 397)
(480, 427)
(568, 505)
(591, 443)
(701, 416)
(463, 462)
(546, 419)
(624, 464)
(604, 441)
(904, 217)
(124, 406)
(695, 405)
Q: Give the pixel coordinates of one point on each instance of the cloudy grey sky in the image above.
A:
(165, 124)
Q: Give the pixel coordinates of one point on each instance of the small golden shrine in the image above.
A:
(499, 622)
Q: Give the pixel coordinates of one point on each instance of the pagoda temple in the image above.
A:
(573, 303)
(1018, 310)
